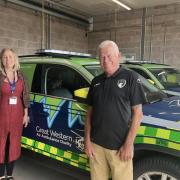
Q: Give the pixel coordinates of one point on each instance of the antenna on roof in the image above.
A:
(54, 52)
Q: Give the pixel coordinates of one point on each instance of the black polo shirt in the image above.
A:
(112, 98)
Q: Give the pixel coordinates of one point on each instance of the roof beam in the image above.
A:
(53, 12)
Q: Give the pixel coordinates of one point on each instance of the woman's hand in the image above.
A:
(25, 120)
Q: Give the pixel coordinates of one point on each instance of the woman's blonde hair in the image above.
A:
(16, 65)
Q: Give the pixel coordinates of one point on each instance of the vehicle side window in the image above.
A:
(141, 72)
(62, 81)
(36, 83)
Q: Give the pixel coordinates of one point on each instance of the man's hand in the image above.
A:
(126, 152)
(89, 149)
(88, 145)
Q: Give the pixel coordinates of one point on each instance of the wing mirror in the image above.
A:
(81, 94)
(151, 81)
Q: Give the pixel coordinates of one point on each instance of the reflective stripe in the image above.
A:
(166, 134)
(146, 135)
(41, 146)
(157, 142)
(172, 92)
(174, 146)
(27, 141)
(53, 150)
(161, 122)
(77, 160)
(149, 140)
(163, 133)
(159, 137)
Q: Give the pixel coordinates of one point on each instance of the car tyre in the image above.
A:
(156, 168)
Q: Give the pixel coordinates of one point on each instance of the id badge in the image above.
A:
(13, 100)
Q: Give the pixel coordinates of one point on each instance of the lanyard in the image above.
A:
(12, 84)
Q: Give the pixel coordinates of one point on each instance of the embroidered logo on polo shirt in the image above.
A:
(121, 83)
(97, 84)
(138, 80)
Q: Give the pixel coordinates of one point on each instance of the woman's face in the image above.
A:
(8, 59)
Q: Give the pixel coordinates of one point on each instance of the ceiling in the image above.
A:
(83, 11)
(89, 8)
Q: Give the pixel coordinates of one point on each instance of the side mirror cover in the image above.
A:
(151, 81)
(81, 93)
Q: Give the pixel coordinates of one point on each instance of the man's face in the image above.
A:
(109, 60)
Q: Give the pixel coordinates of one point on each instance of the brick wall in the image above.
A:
(68, 37)
(162, 34)
(21, 29)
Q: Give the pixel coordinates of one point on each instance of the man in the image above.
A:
(115, 98)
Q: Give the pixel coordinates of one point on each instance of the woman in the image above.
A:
(14, 102)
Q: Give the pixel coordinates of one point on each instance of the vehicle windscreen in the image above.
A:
(95, 70)
(169, 77)
(152, 93)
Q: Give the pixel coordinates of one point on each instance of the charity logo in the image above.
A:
(74, 115)
(138, 80)
(97, 84)
(121, 83)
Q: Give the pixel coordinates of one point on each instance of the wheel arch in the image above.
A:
(145, 150)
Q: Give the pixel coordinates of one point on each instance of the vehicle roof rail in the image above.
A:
(140, 62)
(135, 61)
(61, 53)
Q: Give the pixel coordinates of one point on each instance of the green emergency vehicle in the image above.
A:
(59, 82)
(163, 76)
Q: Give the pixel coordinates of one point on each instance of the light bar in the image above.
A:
(135, 61)
(70, 53)
(122, 4)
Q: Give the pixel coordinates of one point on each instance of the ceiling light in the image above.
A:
(121, 4)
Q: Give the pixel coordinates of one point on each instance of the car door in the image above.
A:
(57, 119)
(146, 75)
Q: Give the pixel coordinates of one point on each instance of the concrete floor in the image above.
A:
(36, 167)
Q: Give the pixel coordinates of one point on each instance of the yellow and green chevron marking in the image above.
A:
(74, 159)
(158, 136)
(146, 135)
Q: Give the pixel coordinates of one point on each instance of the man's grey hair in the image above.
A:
(108, 43)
